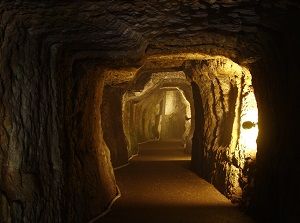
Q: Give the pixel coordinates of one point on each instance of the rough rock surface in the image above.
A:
(57, 60)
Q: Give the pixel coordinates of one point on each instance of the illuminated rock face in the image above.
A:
(66, 67)
(223, 86)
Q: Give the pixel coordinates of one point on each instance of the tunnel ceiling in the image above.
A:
(126, 34)
(128, 30)
(158, 81)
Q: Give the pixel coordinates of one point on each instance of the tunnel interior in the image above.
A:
(210, 97)
(83, 84)
(160, 111)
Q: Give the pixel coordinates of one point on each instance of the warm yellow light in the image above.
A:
(249, 130)
(249, 138)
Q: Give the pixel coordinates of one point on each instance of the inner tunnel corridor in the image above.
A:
(168, 122)
(200, 100)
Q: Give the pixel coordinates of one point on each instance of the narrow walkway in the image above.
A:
(159, 187)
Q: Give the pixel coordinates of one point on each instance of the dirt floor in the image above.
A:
(159, 187)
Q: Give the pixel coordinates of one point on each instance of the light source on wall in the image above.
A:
(249, 132)
(248, 124)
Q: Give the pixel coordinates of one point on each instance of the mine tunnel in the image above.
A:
(84, 84)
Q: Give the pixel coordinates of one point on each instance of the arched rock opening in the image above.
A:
(159, 111)
(219, 103)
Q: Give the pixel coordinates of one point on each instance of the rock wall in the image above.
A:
(32, 174)
(275, 195)
(147, 116)
(222, 86)
(112, 124)
(89, 183)
(55, 166)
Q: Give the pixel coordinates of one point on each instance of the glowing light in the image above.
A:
(249, 129)
(249, 139)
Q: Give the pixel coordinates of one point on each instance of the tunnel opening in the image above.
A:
(221, 99)
(160, 112)
(215, 101)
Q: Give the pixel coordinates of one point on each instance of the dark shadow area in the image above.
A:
(155, 188)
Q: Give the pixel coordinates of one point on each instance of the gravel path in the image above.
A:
(159, 187)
